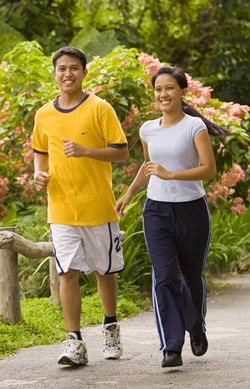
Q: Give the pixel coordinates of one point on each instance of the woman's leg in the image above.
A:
(193, 237)
(167, 298)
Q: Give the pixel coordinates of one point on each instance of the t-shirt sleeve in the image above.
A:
(198, 126)
(112, 130)
(39, 139)
(142, 132)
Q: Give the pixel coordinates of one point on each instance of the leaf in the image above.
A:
(84, 37)
(102, 45)
(8, 42)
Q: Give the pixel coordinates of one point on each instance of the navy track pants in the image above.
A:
(177, 237)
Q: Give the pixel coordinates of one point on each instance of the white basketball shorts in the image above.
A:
(87, 248)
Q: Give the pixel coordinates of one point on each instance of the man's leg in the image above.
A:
(71, 299)
(75, 352)
(107, 288)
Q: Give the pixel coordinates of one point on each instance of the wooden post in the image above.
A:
(54, 281)
(10, 307)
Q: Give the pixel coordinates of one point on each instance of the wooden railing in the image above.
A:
(12, 244)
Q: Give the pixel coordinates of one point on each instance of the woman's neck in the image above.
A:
(170, 119)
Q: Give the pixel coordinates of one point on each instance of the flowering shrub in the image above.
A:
(123, 79)
(26, 78)
(224, 188)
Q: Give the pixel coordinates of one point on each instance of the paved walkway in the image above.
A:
(225, 365)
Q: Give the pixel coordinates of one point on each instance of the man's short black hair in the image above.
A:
(70, 51)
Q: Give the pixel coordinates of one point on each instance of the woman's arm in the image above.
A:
(206, 170)
(140, 181)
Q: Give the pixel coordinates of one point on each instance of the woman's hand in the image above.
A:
(121, 204)
(153, 168)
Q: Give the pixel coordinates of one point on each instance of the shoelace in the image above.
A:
(111, 337)
(72, 345)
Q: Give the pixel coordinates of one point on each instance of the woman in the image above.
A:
(178, 156)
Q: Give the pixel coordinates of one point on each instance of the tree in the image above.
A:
(46, 21)
(207, 38)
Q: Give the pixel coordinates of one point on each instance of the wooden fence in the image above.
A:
(12, 244)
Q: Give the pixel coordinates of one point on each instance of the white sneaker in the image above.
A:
(112, 343)
(75, 352)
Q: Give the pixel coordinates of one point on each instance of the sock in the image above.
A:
(108, 319)
(78, 333)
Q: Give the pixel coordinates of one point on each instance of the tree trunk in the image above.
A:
(10, 308)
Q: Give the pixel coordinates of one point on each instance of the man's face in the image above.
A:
(69, 74)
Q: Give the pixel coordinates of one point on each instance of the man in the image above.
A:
(75, 139)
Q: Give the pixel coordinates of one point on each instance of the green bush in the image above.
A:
(230, 243)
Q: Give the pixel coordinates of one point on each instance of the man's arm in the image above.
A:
(41, 177)
(108, 154)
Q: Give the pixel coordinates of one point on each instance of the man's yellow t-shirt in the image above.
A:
(80, 189)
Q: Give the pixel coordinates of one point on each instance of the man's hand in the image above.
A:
(72, 149)
(41, 180)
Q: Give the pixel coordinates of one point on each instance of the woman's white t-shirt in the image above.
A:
(174, 149)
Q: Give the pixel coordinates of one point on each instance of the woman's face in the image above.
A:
(168, 94)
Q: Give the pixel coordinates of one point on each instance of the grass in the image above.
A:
(42, 322)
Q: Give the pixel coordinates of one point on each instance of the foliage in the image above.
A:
(26, 83)
(9, 38)
(94, 43)
(123, 79)
(136, 258)
(43, 323)
(46, 21)
(225, 65)
(34, 227)
(230, 243)
(207, 38)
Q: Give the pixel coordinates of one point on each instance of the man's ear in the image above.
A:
(85, 72)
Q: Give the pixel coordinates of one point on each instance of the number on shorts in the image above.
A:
(118, 242)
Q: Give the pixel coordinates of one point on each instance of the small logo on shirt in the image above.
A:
(83, 133)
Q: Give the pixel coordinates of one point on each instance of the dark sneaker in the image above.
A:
(199, 344)
(172, 359)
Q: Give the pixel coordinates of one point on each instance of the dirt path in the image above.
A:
(225, 365)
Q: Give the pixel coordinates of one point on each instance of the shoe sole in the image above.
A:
(66, 361)
(110, 356)
(198, 354)
(172, 365)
